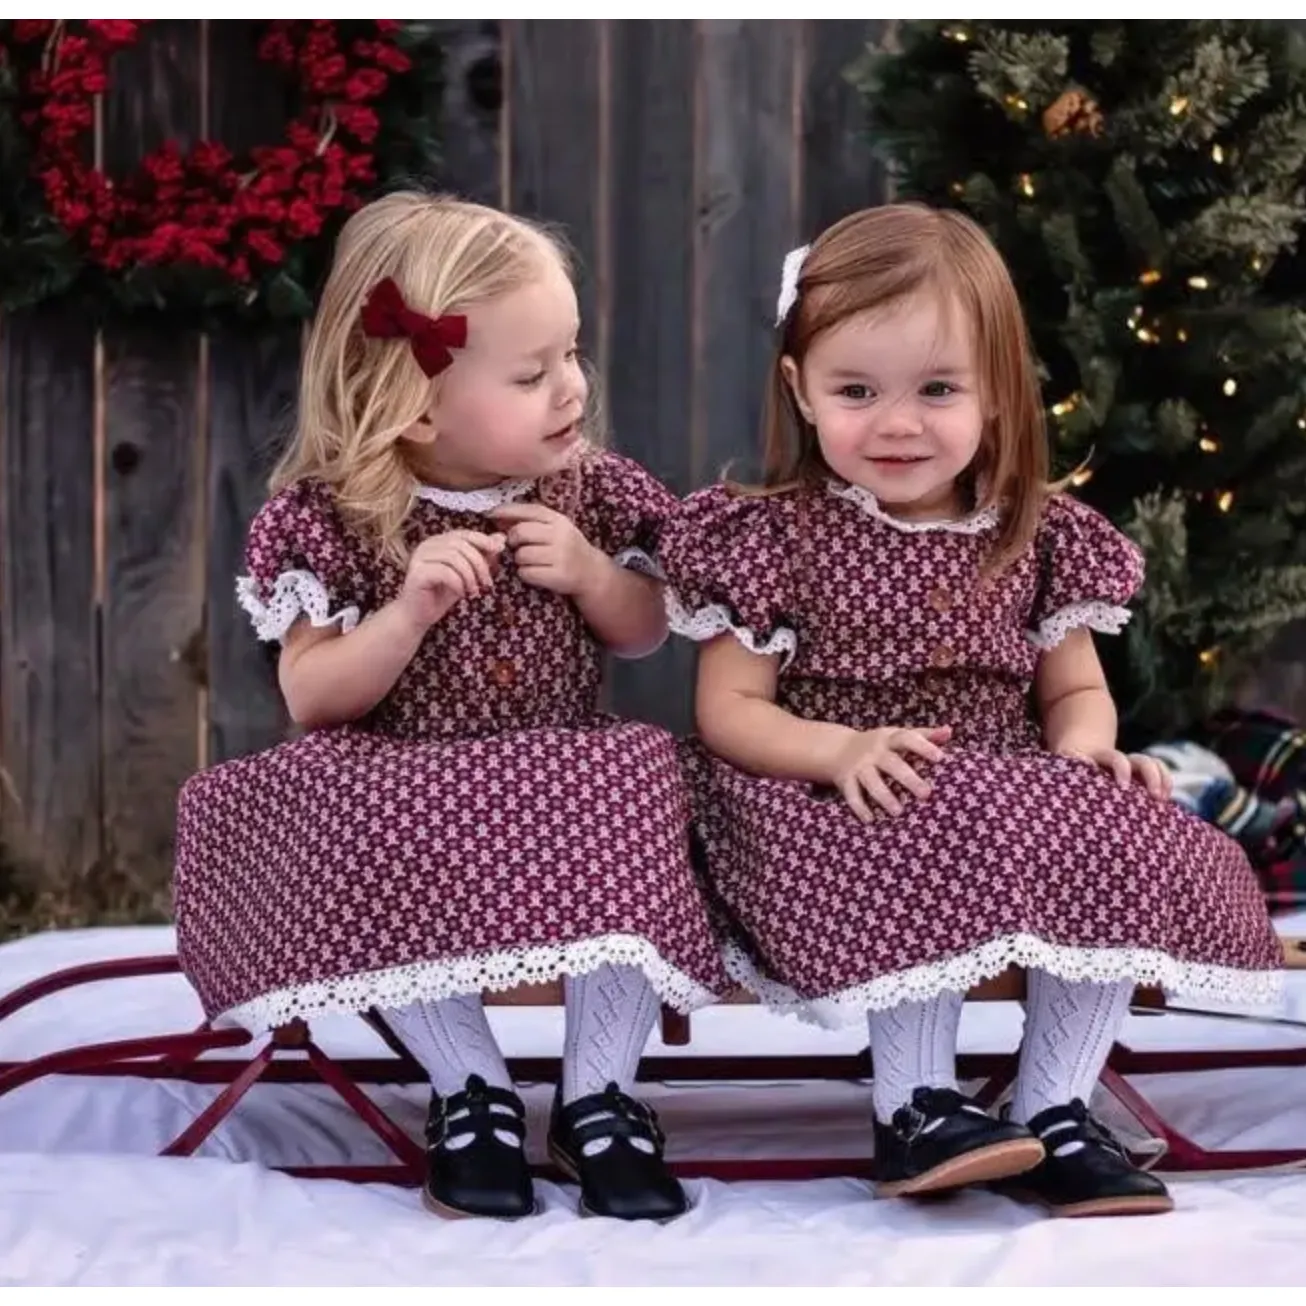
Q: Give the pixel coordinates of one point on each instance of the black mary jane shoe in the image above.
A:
(942, 1140)
(621, 1181)
(1086, 1170)
(485, 1177)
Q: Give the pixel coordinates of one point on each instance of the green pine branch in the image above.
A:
(1145, 183)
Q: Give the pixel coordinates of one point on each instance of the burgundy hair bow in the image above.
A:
(385, 316)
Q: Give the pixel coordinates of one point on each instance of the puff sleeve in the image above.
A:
(628, 508)
(1088, 573)
(301, 561)
(728, 569)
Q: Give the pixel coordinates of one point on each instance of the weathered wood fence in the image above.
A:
(684, 158)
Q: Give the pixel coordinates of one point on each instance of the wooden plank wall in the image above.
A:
(152, 476)
(682, 159)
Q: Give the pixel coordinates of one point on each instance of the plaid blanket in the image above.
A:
(1267, 811)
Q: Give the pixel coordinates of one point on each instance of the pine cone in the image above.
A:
(1073, 111)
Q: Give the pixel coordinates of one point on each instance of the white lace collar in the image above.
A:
(484, 500)
(867, 502)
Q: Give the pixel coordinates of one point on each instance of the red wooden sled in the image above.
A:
(290, 1056)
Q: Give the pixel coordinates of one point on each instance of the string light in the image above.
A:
(1199, 283)
(1015, 102)
(1150, 277)
(958, 188)
(1257, 263)
(1027, 183)
(1082, 477)
(1301, 421)
(1225, 500)
(1230, 387)
(1217, 153)
(1207, 656)
(1208, 445)
(959, 34)
(1147, 337)
(1179, 105)
(1135, 317)
(1183, 336)
(1067, 405)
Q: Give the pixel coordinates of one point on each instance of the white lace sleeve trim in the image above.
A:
(1146, 967)
(1104, 617)
(295, 593)
(638, 560)
(713, 620)
(429, 981)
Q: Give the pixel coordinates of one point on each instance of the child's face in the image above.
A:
(894, 397)
(510, 405)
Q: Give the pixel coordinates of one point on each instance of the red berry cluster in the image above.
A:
(205, 208)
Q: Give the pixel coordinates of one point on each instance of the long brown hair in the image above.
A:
(873, 258)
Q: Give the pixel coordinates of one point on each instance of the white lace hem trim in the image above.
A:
(486, 500)
(1104, 617)
(295, 593)
(984, 520)
(1145, 966)
(709, 622)
(638, 560)
(429, 981)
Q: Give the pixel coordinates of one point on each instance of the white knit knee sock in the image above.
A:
(1069, 1029)
(913, 1045)
(452, 1039)
(610, 1014)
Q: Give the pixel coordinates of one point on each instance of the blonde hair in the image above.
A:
(357, 395)
(873, 258)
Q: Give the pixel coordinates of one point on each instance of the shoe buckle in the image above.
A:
(437, 1130)
(910, 1121)
(644, 1114)
(1098, 1133)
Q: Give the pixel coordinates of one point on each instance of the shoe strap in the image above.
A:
(1076, 1124)
(484, 1126)
(616, 1115)
(609, 1128)
(475, 1110)
(929, 1108)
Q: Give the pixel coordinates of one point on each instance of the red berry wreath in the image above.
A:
(204, 226)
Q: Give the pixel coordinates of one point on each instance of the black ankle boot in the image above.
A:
(942, 1140)
(621, 1181)
(1086, 1170)
(485, 1177)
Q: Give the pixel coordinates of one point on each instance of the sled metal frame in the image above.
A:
(290, 1056)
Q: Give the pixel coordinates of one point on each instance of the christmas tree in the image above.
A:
(1144, 182)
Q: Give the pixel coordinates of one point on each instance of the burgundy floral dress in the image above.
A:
(483, 827)
(1018, 856)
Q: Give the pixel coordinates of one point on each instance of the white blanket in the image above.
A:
(84, 1201)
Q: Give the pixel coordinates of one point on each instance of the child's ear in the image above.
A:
(789, 370)
(422, 431)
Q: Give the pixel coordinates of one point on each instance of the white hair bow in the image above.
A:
(793, 266)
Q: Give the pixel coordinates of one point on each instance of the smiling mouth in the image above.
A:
(900, 460)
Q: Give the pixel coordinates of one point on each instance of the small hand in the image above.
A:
(446, 569)
(1155, 777)
(548, 549)
(874, 755)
